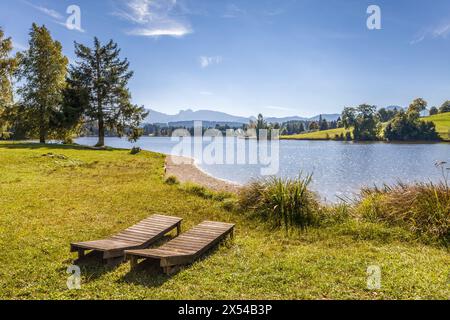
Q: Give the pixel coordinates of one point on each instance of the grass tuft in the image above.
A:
(422, 208)
(284, 202)
(172, 181)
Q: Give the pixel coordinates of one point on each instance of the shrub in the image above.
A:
(283, 202)
(348, 136)
(230, 204)
(135, 150)
(172, 180)
(422, 208)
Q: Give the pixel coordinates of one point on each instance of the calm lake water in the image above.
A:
(339, 169)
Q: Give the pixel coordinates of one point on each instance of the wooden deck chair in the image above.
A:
(186, 248)
(139, 236)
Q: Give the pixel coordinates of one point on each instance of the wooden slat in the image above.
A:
(187, 247)
(138, 236)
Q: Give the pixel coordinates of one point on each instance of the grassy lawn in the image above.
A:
(442, 122)
(49, 201)
(317, 135)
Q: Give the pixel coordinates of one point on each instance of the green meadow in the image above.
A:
(54, 195)
(442, 122)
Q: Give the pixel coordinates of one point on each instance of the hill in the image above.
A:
(223, 118)
(442, 122)
(317, 135)
(190, 115)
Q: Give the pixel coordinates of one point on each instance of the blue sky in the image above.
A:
(278, 57)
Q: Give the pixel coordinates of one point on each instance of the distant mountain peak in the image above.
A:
(222, 117)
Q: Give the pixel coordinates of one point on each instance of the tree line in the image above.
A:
(370, 123)
(54, 100)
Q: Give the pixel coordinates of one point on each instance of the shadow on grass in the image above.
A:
(149, 273)
(35, 146)
(93, 266)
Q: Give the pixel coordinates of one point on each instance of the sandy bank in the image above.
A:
(186, 171)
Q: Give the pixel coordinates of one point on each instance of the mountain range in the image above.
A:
(216, 116)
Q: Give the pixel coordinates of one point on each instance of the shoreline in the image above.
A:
(186, 170)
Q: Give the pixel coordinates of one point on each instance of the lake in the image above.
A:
(340, 169)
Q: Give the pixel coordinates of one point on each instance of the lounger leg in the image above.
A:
(80, 253)
(171, 270)
(133, 262)
(178, 229)
(232, 234)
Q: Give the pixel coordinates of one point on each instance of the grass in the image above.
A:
(318, 135)
(83, 194)
(442, 122)
(284, 203)
(423, 208)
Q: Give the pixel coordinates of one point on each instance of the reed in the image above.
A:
(285, 203)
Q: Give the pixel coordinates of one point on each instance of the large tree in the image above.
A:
(104, 76)
(43, 69)
(445, 107)
(417, 106)
(364, 120)
(407, 126)
(8, 65)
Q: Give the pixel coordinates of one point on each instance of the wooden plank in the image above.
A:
(187, 247)
(138, 236)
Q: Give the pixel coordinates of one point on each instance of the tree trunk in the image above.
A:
(42, 130)
(101, 132)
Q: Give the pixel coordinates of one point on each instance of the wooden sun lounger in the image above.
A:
(186, 248)
(139, 236)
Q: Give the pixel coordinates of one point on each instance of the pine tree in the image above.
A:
(8, 65)
(104, 76)
(43, 69)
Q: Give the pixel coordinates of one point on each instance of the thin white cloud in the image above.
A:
(275, 12)
(233, 11)
(154, 18)
(50, 12)
(440, 32)
(206, 93)
(64, 24)
(205, 61)
(58, 17)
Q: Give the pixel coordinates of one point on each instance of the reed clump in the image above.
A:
(286, 203)
(422, 208)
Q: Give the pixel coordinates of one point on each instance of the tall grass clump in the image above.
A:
(283, 202)
(422, 208)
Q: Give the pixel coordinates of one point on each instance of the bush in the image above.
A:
(348, 136)
(407, 126)
(172, 180)
(283, 202)
(422, 208)
(230, 205)
(135, 150)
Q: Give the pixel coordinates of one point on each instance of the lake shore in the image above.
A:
(186, 170)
